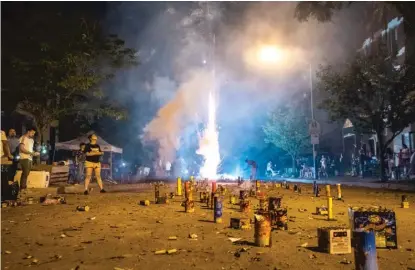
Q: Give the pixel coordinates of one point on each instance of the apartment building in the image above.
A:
(393, 34)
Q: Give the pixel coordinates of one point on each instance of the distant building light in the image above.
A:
(401, 51)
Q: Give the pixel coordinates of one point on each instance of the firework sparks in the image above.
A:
(209, 143)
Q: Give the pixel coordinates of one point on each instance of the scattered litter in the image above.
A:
(28, 257)
(35, 261)
(63, 235)
(345, 261)
(301, 210)
(312, 256)
(7, 252)
(193, 236)
(86, 242)
(83, 208)
(255, 259)
(304, 245)
(233, 240)
(172, 237)
(159, 252)
(92, 218)
(158, 221)
(171, 251)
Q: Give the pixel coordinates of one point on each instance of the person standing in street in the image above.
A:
(254, 168)
(93, 154)
(406, 156)
(7, 174)
(14, 143)
(26, 156)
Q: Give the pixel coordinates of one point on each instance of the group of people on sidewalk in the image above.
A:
(16, 152)
(19, 152)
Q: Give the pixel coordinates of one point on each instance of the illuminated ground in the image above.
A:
(125, 234)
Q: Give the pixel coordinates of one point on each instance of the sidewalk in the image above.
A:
(408, 185)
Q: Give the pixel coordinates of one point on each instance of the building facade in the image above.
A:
(393, 35)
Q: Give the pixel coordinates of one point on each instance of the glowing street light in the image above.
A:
(270, 54)
(275, 55)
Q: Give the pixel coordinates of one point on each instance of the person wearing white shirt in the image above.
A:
(26, 155)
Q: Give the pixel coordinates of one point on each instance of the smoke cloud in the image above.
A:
(177, 53)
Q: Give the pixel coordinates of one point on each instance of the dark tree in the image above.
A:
(56, 62)
(373, 93)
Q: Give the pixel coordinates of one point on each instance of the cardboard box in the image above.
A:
(382, 221)
(36, 179)
(241, 223)
(334, 240)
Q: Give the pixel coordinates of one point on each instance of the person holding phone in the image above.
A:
(93, 154)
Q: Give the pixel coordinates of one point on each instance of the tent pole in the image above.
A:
(111, 165)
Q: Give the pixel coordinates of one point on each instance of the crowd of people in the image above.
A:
(16, 152)
(19, 153)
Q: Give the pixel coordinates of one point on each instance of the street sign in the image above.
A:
(314, 128)
(347, 124)
(315, 139)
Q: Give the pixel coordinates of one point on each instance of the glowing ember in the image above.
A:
(209, 144)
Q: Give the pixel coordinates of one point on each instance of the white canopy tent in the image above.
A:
(73, 145)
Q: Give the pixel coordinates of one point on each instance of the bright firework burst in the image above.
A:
(209, 144)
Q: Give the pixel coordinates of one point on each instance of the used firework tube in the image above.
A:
(262, 230)
(339, 191)
(330, 208)
(213, 187)
(316, 191)
(314, 187)
(328, 191)
(244, 204)
(405, 202)
(263, 204)
(365, 251)
(217, 209)
(179, 186)
(156, 192)
(187, 191)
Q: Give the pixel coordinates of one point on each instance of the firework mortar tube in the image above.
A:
(330, 208)
(257, 186)
(328, 191)
(156, 192)
(188, 204)
(217, 209)
(262, 230)
(316, 191)
(179, 186)
(213, 194)
(314, 187)
(339, 191)
(404, 201)
(365, 251)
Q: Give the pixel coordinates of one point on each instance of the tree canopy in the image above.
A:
(55, 63)
(287, 129)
